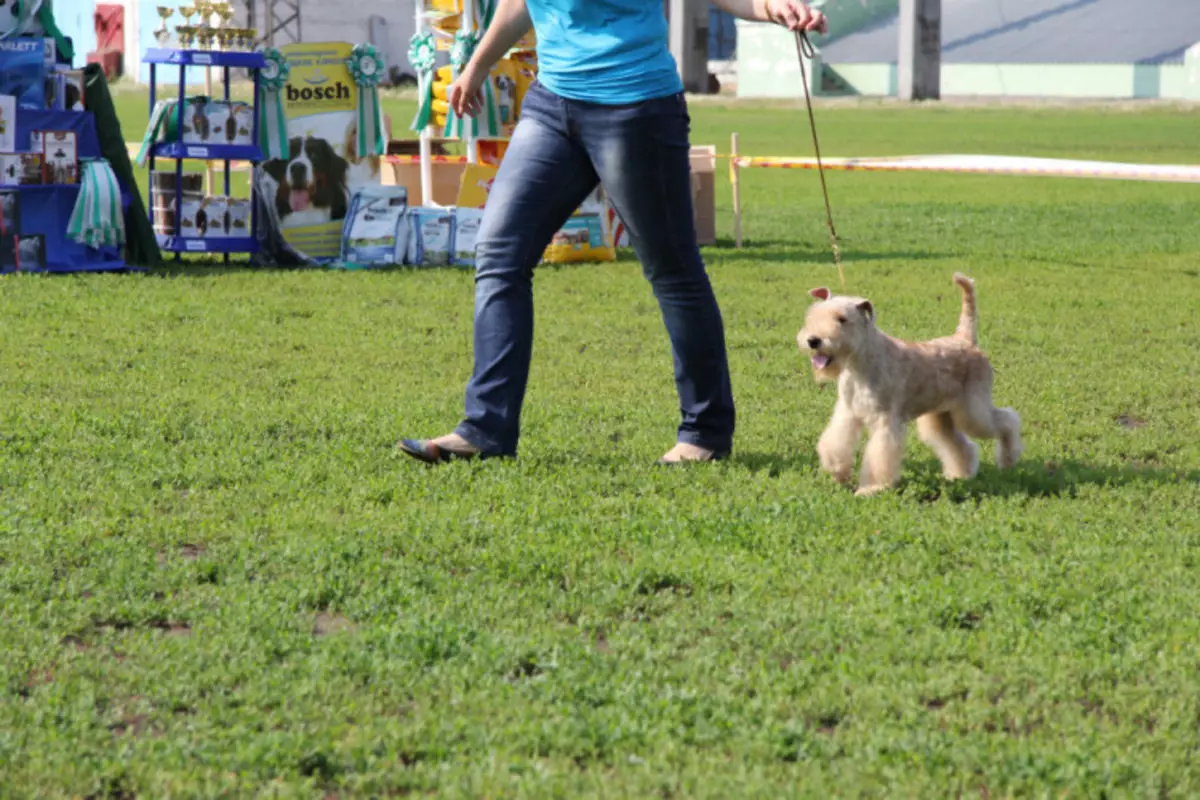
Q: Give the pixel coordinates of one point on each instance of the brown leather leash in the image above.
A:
(804, 49)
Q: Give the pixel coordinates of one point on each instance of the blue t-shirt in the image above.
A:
(604, 51)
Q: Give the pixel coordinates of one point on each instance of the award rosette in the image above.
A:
(272, 122)
(422, 54)
(367, 68)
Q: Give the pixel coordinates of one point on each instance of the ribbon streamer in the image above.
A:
(486, 123)
(96, 220)
(486, 9)
(422, 54)
(367, 68)
(272, 123)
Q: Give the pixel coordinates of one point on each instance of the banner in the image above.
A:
(307, 194)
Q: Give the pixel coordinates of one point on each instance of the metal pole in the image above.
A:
(468, 23)
(920, 63)
(425, 148)
(677, 22)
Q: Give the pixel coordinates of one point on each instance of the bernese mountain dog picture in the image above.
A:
(312, 184)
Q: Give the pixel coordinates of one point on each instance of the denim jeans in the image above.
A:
(560, 150)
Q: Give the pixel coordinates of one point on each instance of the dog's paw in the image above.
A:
(842, 476)
(964, 471)
(870, 491)
(1007, 455)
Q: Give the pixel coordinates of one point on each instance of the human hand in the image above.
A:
(796, 16)
(465, 94)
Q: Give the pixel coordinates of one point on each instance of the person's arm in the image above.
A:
(791, 14)
(509, 23)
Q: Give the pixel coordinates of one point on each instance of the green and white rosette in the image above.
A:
(487, 123)
(367, 69)
(97, 220)
(422, 54)
(272, 123)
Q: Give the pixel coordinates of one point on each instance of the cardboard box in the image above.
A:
(704, 194)
(447, 179)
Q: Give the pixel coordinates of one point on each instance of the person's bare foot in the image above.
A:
(443, 448)
(684, 453)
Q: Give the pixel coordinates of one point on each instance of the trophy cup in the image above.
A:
(187, 35)
(224, 13)
(205, 8)
(204, 38)
(225, 37)
(162, 35)
(186, 12)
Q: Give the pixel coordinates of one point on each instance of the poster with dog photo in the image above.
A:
(307, 193)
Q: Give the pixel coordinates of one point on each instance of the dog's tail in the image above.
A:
(968, 321)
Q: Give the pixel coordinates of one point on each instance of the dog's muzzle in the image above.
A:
(819, 359)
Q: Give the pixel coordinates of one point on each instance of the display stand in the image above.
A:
(45, 209)
(430, 133)
(179, 151)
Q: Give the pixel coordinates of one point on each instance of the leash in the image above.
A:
(804, 49)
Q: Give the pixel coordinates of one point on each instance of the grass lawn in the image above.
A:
(219, 579)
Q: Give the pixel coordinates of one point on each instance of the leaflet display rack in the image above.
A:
(45, 208)
(469, 12)
(180, 151)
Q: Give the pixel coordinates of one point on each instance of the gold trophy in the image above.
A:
(162, 35)
(225, 34)
(186, 12)
(204, 38)
(205, 7)
(187, 35)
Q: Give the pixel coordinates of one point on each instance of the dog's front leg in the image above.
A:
(881, 460)
(838, 443)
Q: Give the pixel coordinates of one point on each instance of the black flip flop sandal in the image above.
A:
(430, 453)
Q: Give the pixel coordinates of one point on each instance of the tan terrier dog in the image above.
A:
(883, 383)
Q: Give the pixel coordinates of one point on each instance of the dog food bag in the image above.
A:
(237, 218)
(193, 217)
(431, 243)
(217, 209)
(466, 234)
(586, 236)
(242, 115)
(197, 125)
(376, 230)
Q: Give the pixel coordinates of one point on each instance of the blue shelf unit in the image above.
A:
(183, 59)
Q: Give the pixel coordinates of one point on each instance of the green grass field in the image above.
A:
(219, 579)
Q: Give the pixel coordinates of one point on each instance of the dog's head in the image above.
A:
(835, 328)
(316, 175)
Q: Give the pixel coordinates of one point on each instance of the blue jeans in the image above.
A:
(559, 151)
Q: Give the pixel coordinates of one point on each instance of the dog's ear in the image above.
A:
(867, 309)
(820, 293)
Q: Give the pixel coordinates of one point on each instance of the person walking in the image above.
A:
(607, 107)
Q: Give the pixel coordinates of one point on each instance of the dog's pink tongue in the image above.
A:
(820, 361)
(299, 199)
